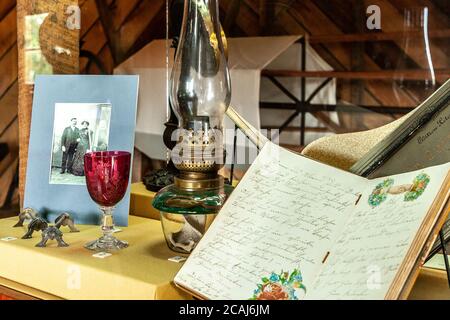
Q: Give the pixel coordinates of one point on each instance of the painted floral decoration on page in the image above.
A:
(418, 187)
(379, 194)
(412, 191)
(281, 286)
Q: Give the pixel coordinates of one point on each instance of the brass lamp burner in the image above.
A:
(196, 158)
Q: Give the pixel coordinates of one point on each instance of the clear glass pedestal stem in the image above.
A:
(107, 242)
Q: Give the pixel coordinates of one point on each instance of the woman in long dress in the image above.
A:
(84, 145)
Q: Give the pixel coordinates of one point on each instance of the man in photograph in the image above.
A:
(69, 143)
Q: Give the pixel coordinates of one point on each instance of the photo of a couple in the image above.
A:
(78, 129)
(75, 143)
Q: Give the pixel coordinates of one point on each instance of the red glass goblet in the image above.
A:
(107, 174)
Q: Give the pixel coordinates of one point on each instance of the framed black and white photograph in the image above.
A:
(78, 128)
(72, 115)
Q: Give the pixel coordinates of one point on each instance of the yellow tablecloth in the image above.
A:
(141, 271)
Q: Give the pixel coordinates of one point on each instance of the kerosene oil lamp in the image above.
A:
(200, 94)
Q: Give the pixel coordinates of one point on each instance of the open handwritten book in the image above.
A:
(298, 229)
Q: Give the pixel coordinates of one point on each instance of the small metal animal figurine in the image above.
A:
(52, 233)
(25, 214)
(37, 224)
(65, 220)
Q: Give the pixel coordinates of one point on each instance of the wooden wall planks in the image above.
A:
(133, 22)
(8, 95)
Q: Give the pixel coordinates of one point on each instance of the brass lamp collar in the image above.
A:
(193, 181)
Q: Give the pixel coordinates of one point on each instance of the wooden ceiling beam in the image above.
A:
(438, 18)
(321, 116)
(89, 16)
(6, 180)
(122, 12)
(442, 6)
(138, 22)
(8, 107)
(247, 20)
(4, 150)
(106, 57)
(231, 15)
(107, 22)
(122, 38)
(267, 12)
(315, 22)
(319, 24)
(393, 21)
(8, 34)
(151, 32)
(5, 7)
(8, 65)
(266, 16)
(94, 42)
(375, 36)
(10, 137)
(9, 129)
(420, 74)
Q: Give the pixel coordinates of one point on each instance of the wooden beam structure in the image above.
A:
(4, 150)
(231, 15)
(376, 36)
(441, 75)
(124, 24)
(266, 16)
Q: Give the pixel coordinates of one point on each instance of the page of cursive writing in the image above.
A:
(375, 240)
(281, 217)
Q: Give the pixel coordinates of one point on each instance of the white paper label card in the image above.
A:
(177, 259)
(102, 255)
(8, 239)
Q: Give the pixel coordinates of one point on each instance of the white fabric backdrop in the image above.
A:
(247, 57)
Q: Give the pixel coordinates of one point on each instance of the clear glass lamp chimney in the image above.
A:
(200, 81)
